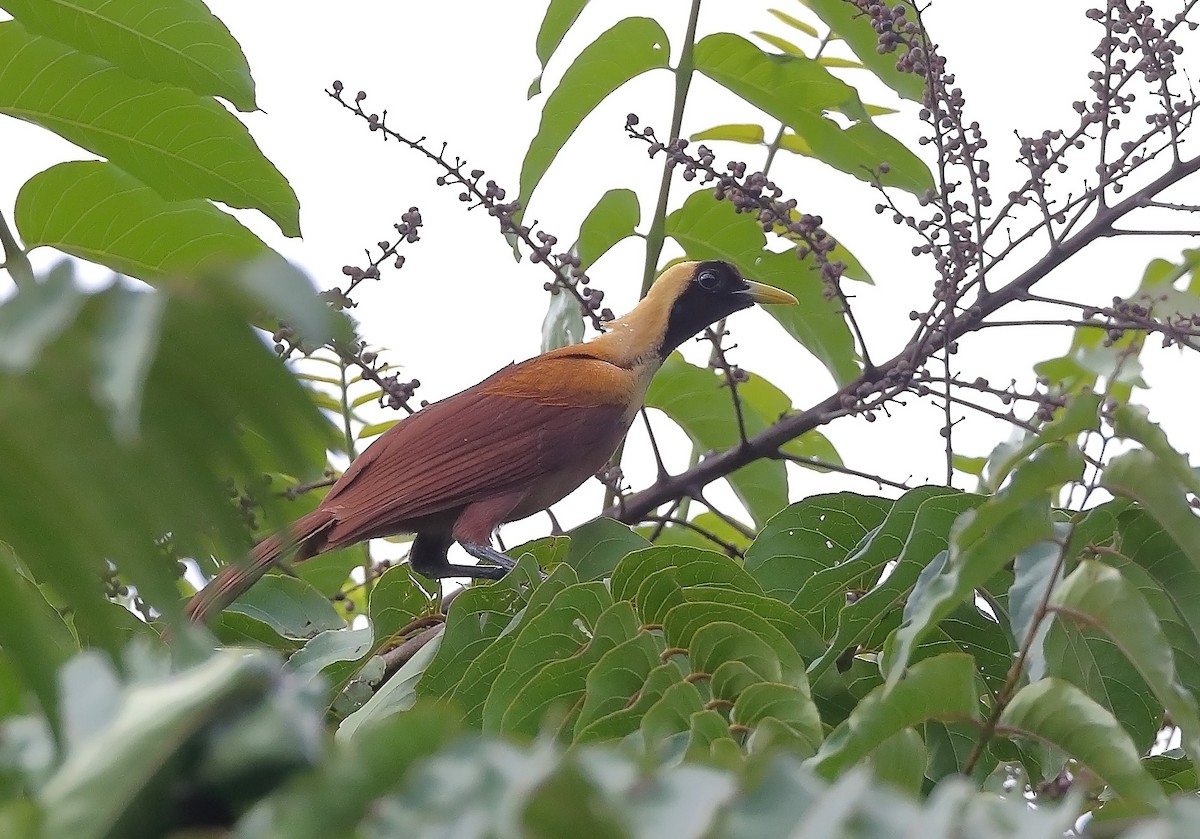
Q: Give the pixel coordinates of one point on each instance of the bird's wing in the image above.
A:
(526, 423)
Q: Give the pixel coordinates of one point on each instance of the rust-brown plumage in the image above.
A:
(506, 448)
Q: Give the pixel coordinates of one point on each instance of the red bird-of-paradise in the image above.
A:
(506, 448)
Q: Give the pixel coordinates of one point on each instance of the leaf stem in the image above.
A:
(683, 81)
(15, 259)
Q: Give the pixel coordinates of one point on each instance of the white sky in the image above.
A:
(461, 308)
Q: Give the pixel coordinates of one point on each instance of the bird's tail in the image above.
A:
(234, 580)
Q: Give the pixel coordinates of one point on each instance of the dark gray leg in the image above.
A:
(428, 558)
(489, 554)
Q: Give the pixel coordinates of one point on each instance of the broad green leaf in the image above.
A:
(981, 542)
(179, 42)
(899, 761)
(1058, 713)
(927, 538)
(710, 229)
(397, 599)
(823, 595)
(858, 150)
(696, 399)
(734, 133)
(290, 606)
(808, 536)
(797, 91)
(34, 637)
(936, 688)
(614, 219)
(563, 628)
(98, 212)
(474, 689)
(1133, 421)
(475, 619)
(630, 48)
(181, 144)
(855, 29)
(1141, 475)
(780, 85)
(559, 686)
(598, 545)
(560, 16)
(394, 697)
(328, 648)
(619, 679)
(787, 704)
(771, 403)
(690, 567)
(150, 730)
(1097, 595)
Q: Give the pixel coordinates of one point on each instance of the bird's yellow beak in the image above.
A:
(760, 293)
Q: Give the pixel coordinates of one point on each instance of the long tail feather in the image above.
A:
(234, 580)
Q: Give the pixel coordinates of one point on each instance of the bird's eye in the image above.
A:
(708, 280)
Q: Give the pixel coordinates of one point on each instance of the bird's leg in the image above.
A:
(487, 553)
(428, 558)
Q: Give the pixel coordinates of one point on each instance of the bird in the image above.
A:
(503, 449)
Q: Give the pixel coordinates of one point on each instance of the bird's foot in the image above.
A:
(487, 553)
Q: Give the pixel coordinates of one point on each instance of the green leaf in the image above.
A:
(394, 697)
(630, 48)
(552, 694)
(397, 599)
(563, 628)
(833, 61)
(823, 595)
(146, 735)
(290, 606)
(181, 144)
(1035, 569)
(981, 542)
(33, 635)
(598, 545)
(899, 761)
(560, 16)
(98, 212)
(125, 349)
(179, 42)
(563, 324)
(1058, 713)
(780, 85)
(1098, 595)
(808, 536)
(782, 44)
(936, 688)
(807, 29)
(696, 399)
(329, 648)
(35, 316)
(926, 539)
(734, 133)
(797, 91)
(856, 30)
(710, 229)
(614, 219)
(1141, 475)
